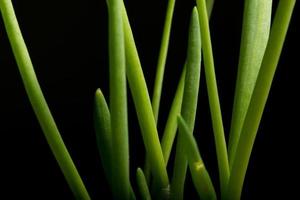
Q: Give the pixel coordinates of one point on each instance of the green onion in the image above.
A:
(255, 35)
(200, 176)
(143, 107)
(103, 133)
(259, 98)
(118, 102)
(142, 185)
(39, 103)
(189, 102)
(214, 103)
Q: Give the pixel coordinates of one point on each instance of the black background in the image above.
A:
(67, 41)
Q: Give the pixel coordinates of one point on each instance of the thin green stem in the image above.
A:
(171, 125)
(215, 108)
(162, 59)
(142, 185)
(255, 35)
(39, 103)
(259, 98)
(200, 176)
(189, 103)
(118, 102)
(143, 107)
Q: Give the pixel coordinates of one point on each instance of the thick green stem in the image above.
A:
(118, 102)
(259, 98)
(255, 35)
(215, 108)
(39, 103)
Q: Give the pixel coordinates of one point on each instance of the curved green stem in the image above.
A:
(39, 103)
(215, 108)
(259, 98)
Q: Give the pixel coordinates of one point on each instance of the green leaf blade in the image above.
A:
(118, 102)
(189, 102)
(162, 59)
(38, 102)
(255, 35)
(214, 102)
(200, 176)
(142, 185)
(103, 133)
(259, 98)
(143, 107)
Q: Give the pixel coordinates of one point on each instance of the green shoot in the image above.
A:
(200, 176)
(171, 125)
(118, 102)
(215, 108)
(103, 133)
(39, 103)
(189, 102)
(259, 98)
(162, 59)
(143, 107)
(255, 35)
(142, 185)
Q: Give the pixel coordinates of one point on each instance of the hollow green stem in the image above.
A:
(189, 103)
(200, 176)
(143, 107)
(215, 108)
(255, 35)
(162, 59)
(39, 103)
(118, 102)
(259, 98)
(142, 185)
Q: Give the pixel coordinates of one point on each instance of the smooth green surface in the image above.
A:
(39, 103)
(214, 103)
(255, 35)
(103, 133)
(171, 125)
(200, 176)
(189, 103)
(162, 59)
(142, 185)
(160, 69)
(259, 98)
(118, 102)
(143, 108)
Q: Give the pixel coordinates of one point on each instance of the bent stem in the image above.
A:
(39, 103)
(259, 98)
